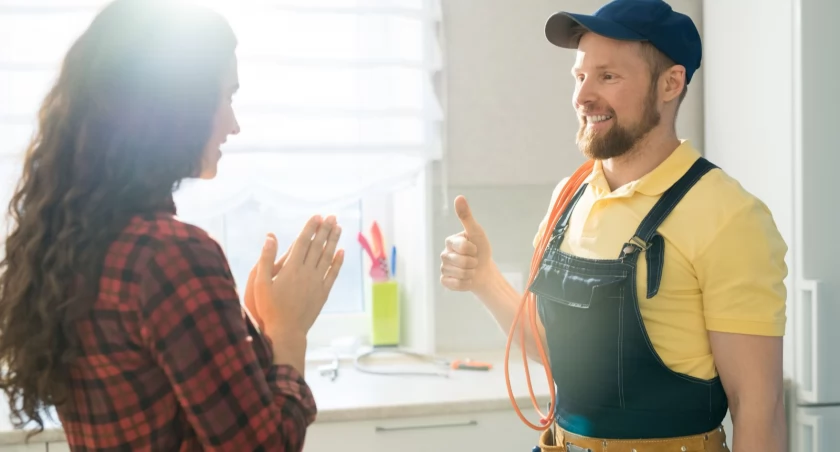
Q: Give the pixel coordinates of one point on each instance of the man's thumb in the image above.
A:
(265, 266)
(465, 215)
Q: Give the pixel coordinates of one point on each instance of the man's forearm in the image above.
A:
(759, 425)
(502, 300)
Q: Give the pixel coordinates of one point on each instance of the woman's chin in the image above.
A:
(210, 165)
(208, 172)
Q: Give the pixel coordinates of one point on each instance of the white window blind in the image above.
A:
(336, 100)
(337, 104)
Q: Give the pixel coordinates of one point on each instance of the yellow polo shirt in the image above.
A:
(724, 266)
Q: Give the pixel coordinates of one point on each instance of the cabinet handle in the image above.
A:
(808, 341)
(427, 426)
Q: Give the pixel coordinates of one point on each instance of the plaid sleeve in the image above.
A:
(197, 331)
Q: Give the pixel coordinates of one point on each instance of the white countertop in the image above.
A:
(355, 396)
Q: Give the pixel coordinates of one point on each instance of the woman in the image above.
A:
(124, 318)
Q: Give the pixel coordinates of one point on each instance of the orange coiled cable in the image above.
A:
(529, 302)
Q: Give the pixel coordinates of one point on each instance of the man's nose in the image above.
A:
(584, 95)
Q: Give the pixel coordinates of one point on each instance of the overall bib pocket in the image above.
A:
(575, 289)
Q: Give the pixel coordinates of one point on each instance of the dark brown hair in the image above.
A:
(127, 119)
(657, 61)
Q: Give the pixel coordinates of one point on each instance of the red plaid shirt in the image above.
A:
(169, 360)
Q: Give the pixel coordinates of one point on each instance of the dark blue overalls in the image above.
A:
(610, 381)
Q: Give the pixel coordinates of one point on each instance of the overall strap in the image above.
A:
(563, 221)
(672, 197)
(648, 239)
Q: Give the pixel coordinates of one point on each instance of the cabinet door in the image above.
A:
(817, 289)
(500, 431)
(815, 429)
(33, 447)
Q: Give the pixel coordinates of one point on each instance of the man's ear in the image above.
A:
(674, 82)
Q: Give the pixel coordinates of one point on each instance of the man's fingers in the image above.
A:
(461, 245)
(458, 260)
(454, 240)
(302, 244)
(455, 272)
(328, 254)
(469, 223)
(454, 283)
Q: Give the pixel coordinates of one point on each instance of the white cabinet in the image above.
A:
(32, 447)
(777, 133)
(60, 446)
(498, 431)
(816, 429)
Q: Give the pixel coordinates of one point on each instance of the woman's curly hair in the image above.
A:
(127, 119)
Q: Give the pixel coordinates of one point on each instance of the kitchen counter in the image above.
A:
(357, 396)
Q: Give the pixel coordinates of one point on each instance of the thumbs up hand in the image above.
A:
(467, 257)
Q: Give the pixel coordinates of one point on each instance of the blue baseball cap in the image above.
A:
(673, 33)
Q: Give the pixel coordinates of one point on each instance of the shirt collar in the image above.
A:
(653, 183)
(168, 206)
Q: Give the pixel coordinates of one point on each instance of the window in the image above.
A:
(242, 229)
(339, 113)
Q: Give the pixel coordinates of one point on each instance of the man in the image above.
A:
(660, 292)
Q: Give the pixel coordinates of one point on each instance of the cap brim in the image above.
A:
(558, 29)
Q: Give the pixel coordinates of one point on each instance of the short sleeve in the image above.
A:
(544, 222)
(741, 275)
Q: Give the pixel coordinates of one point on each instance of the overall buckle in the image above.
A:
(641, 244)
(635, 244)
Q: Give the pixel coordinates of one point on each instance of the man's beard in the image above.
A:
(618, 140)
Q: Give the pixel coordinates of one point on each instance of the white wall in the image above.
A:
(771, 114)
(749, 106)
(512, 137)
